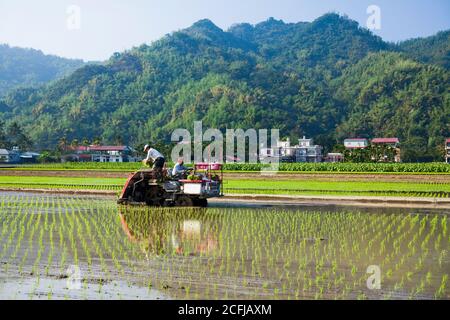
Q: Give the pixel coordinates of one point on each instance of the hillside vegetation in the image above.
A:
(328, 79)
(28, 67)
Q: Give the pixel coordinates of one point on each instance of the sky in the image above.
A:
(95, 29)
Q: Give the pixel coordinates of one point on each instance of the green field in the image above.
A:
(397, 168)
(19, 180)
(251, 186)
(311, 187)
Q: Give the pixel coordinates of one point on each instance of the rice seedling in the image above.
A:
(249, 186)
(274, 253)
(243, 167)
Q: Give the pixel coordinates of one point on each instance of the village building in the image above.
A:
(447, 151)
(334, 157)
(304, 151)
(95, 153)
(9, 156)
(356, 143)
(307, 151)
(393, 143)
(29, 157)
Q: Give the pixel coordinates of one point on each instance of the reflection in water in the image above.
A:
(298, 253)
(220, 253)
(160, 234)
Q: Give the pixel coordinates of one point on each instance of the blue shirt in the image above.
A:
(178, 168)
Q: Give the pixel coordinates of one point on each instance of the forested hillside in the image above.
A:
(434, 49)
(328, 79)
(28, 67)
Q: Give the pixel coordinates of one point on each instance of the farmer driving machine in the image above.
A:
(159, 188)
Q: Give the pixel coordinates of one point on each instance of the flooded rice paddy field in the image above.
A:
(66, 247)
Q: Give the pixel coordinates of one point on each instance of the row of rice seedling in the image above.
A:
(102, 187)
(236, 253)
(251, 186)
(263, 191)
(108, 166)
(286, 255)
(436, 167)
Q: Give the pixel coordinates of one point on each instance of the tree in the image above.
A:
(47, 157)
(62, 144)
(16, 137)
(86, 142)
(74, 143)
(3, 140)
(339, 81)
(97, 141)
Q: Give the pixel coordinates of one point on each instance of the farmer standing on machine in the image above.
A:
(154, 156)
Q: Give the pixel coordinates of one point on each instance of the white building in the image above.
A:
(305, 151)
(104, 154)
(447, 151)
(334, 157)
(356, 143)
(389, 142)
(29, 157)
(9, 156)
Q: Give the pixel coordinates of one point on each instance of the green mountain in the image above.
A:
(388, 95)
(328, 79)
(434, 49)
(28, 67)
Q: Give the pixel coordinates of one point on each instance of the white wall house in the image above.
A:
(9, 156)
(447, 151)
(356, 143)
(305, 151)
(104, 154)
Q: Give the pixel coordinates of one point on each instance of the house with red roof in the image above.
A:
(390, 144)
(392, 141)
(447, 151)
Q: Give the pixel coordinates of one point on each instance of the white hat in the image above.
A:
(146, 146)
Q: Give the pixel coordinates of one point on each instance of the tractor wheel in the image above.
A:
(184, 201)
(153, 197)
(202, 203)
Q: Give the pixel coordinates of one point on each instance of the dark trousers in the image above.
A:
(159, 163)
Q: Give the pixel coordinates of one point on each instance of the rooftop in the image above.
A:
(108, 148)
(99, 148)
(385, 140)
